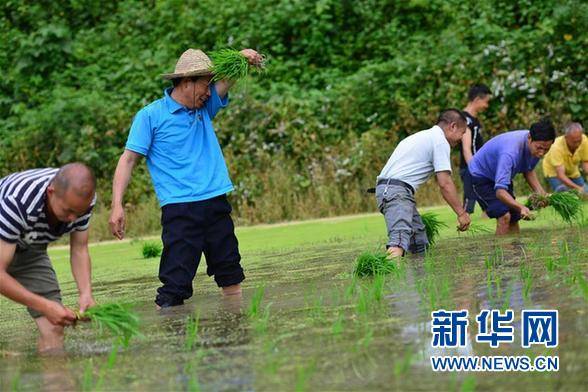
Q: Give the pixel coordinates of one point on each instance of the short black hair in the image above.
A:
(543, 130)
(450, 115)
(478, 91)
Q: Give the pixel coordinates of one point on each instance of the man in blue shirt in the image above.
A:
(498, 161)
(176, 136)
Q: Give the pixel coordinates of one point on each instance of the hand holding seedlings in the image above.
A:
(58, 314)
(253, 57)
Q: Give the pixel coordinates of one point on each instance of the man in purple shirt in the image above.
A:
(498, 161)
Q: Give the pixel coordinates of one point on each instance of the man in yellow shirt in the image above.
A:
(561, 163)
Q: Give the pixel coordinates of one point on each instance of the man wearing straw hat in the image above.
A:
(176, 136)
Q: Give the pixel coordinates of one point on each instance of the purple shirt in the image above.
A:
(502, 157)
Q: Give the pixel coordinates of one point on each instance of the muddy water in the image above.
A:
(321, 329)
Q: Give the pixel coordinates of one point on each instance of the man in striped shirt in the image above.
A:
(38, 207)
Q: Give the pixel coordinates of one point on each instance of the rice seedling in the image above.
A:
(338, 326)
(116, 318)
(230, 64)
(433, 226)
(527, 279)
(367, 332)
(363, 301)
(192, 325)
(580, 281)
(88, 376)
(15, 383)
(468, 384)
(402, 365)
(369, 264)
(316, 311)
(303, 374)
(262, 321)
(255, 305)
(151, 249)
(477, 229)
(377, 287)
(568, 205)
(506, 298)
(193, 383)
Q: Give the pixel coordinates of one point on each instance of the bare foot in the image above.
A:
(394, 252)
(232, 290)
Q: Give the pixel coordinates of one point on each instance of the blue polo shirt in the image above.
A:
(502, 157)
(183, 155)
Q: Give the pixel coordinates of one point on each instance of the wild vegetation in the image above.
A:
(345, 81)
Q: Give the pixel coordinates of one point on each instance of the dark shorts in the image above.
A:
(189, 229)
(32, 268)
(469, 197)
(486, 196)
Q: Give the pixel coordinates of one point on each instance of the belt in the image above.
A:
(392, 181)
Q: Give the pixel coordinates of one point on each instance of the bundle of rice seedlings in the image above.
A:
(115, 318)
(151, 249)
(568, 205)
(476, 229)
(433, 225)
(368, 264)
(230, 64)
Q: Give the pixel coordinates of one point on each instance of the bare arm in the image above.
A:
(122, 176)
(506, 198)
(561, 175)
(81, 268)
(11, 288)
(466, 145)
(450, 195)
(585, 168)
(533, 182)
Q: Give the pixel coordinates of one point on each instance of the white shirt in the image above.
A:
(418, 156)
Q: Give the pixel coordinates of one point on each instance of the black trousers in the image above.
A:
(188, 230)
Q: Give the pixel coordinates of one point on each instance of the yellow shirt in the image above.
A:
(559, 155)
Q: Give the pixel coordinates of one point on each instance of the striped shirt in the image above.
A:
(23, 217)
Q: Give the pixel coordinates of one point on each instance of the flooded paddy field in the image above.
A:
(306, 323)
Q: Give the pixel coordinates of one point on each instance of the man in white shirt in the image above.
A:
(411, 164)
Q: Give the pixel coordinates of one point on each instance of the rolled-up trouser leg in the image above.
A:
(418, 241)
(397, 205)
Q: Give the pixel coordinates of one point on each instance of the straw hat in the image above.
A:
(193, 62)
